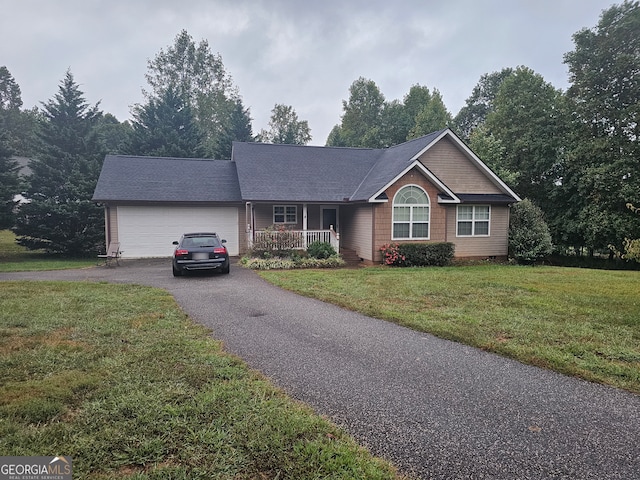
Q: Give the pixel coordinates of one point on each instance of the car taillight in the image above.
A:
(181, 251)
(219, 250)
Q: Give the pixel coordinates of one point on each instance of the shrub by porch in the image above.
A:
(281, 251)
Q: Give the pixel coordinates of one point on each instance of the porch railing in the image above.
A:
(298, 239)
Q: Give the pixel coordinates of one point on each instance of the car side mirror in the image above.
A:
(223, 241)
(175, 242)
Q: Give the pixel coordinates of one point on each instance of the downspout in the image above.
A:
(107, 224)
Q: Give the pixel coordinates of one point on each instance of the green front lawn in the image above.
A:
(579, 322)
(14, 258)
(117, 377)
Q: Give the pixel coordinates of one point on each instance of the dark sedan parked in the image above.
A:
(200, 251)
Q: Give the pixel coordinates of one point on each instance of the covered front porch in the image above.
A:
(295, 224)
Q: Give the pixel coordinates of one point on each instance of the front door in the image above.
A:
(329, 217)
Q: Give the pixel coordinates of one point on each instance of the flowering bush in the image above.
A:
(391, 255)
(432, 254)
(631, 249)
(275, 241)
(290, 263)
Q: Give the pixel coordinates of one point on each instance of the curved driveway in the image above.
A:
(435, 408)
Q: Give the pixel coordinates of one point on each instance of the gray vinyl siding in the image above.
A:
(356, 229)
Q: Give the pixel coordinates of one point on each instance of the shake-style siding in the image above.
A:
(450, 164)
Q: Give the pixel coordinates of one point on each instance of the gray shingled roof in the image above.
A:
(390, 163)
(156, 179)
(296, 173)
(268, 173)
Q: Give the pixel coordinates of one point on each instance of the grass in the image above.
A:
(579, 322)
(15, 258)
(120, 379)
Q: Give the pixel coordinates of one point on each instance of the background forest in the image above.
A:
(575, 154)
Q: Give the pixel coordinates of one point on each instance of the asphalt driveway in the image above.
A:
(435, 408)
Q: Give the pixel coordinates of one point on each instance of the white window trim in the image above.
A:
(285, 207)
(393, 222)
(473, 222)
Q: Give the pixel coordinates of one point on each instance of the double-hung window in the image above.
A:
(285, 214)
(411, 214)
(473, 220)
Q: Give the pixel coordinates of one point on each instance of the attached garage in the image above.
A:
(148, 231)
(150, 201)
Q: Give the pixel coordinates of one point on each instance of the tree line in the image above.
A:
(573, 154)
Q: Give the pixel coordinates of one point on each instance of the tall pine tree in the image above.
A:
(9, 179)
(235, 128)
(166, 127)
(10, 103)
(60, 216)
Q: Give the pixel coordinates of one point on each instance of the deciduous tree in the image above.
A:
(10, 94)
(480, 103)
(371, 121)
(196, 74)
(362, 117)
(603, 158)
(285, 128)
(527, 119)
(432, 117)
(19, 125)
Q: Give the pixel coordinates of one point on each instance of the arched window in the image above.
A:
(411, 213)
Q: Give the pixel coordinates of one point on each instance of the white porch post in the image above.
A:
(304, 225)
(248, 218)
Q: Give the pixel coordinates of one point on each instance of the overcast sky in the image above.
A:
(296, 52)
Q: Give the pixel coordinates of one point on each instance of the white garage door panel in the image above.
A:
(150, 231)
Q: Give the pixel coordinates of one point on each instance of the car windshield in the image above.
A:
(200, 242)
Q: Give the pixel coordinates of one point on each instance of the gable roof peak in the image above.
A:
(429, 137)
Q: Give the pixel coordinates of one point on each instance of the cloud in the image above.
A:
(304, 54)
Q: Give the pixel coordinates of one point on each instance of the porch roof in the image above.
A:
(295, 173)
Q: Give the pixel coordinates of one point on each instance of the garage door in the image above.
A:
(150, 231)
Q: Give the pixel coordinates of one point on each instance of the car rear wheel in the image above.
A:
(176, 272)
(226, 269)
